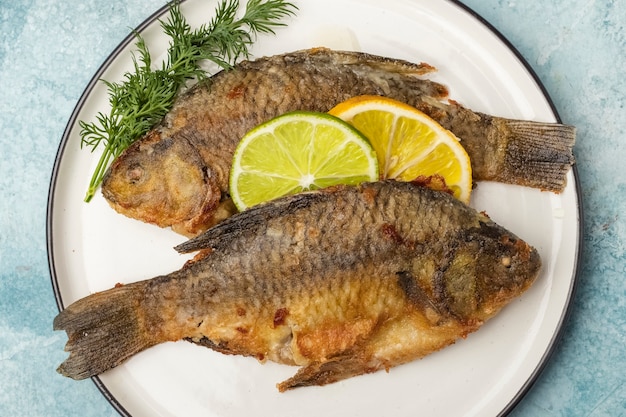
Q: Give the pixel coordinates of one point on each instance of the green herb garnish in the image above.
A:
(145, 95)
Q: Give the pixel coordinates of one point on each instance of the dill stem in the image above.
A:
(98, 174)
(146, 96)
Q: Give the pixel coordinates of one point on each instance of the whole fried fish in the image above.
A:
(341, 281)
(178, 174)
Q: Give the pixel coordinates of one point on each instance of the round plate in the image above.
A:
(91, 248)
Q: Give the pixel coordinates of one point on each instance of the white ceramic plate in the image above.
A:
(91, 248)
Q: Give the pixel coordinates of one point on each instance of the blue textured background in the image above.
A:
(49, 50)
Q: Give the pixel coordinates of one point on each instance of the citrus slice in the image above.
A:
(299, 151)
(409, 144)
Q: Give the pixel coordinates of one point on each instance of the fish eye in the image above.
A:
(135, 173)
(506, 261)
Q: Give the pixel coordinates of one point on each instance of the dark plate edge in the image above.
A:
(150, 20)
(55, 170)
(566, 313)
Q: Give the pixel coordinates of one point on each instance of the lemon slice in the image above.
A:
(299, 151)
(409, 144)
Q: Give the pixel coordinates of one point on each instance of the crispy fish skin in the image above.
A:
(341, 282)
(210, 119)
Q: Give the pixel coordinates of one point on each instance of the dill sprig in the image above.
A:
(145, 94)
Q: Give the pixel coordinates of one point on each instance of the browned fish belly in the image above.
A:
(178, 175)
(340, 282)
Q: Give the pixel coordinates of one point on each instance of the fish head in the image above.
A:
(162, 181)
(489, 268)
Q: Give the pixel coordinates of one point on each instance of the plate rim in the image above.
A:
(151, 19)
(95, 79)
(567, 311)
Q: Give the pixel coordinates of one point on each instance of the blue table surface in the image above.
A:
(50, 49)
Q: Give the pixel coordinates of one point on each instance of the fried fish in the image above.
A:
(340, 282)
(178, 174)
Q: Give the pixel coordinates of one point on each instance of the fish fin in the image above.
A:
(250, 220)
(369, 65)
(327, 372)
(397, 66)
(219, 347)
(103, 330)
(416, 295)
(538, 154)
(340, 57)
(215, 236)
(410, 72)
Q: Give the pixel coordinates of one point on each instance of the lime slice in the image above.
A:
(296, 152)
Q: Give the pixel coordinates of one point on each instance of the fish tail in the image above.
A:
(538, 154)
(521, 152)
(103, 329)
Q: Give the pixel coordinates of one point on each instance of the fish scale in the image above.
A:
(210, 119)
(341, 281)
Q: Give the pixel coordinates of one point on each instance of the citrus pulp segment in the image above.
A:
(299, 151)
(408, 143)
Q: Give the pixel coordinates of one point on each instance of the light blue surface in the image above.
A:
(50, 49)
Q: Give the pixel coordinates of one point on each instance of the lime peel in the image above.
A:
(299, 151)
